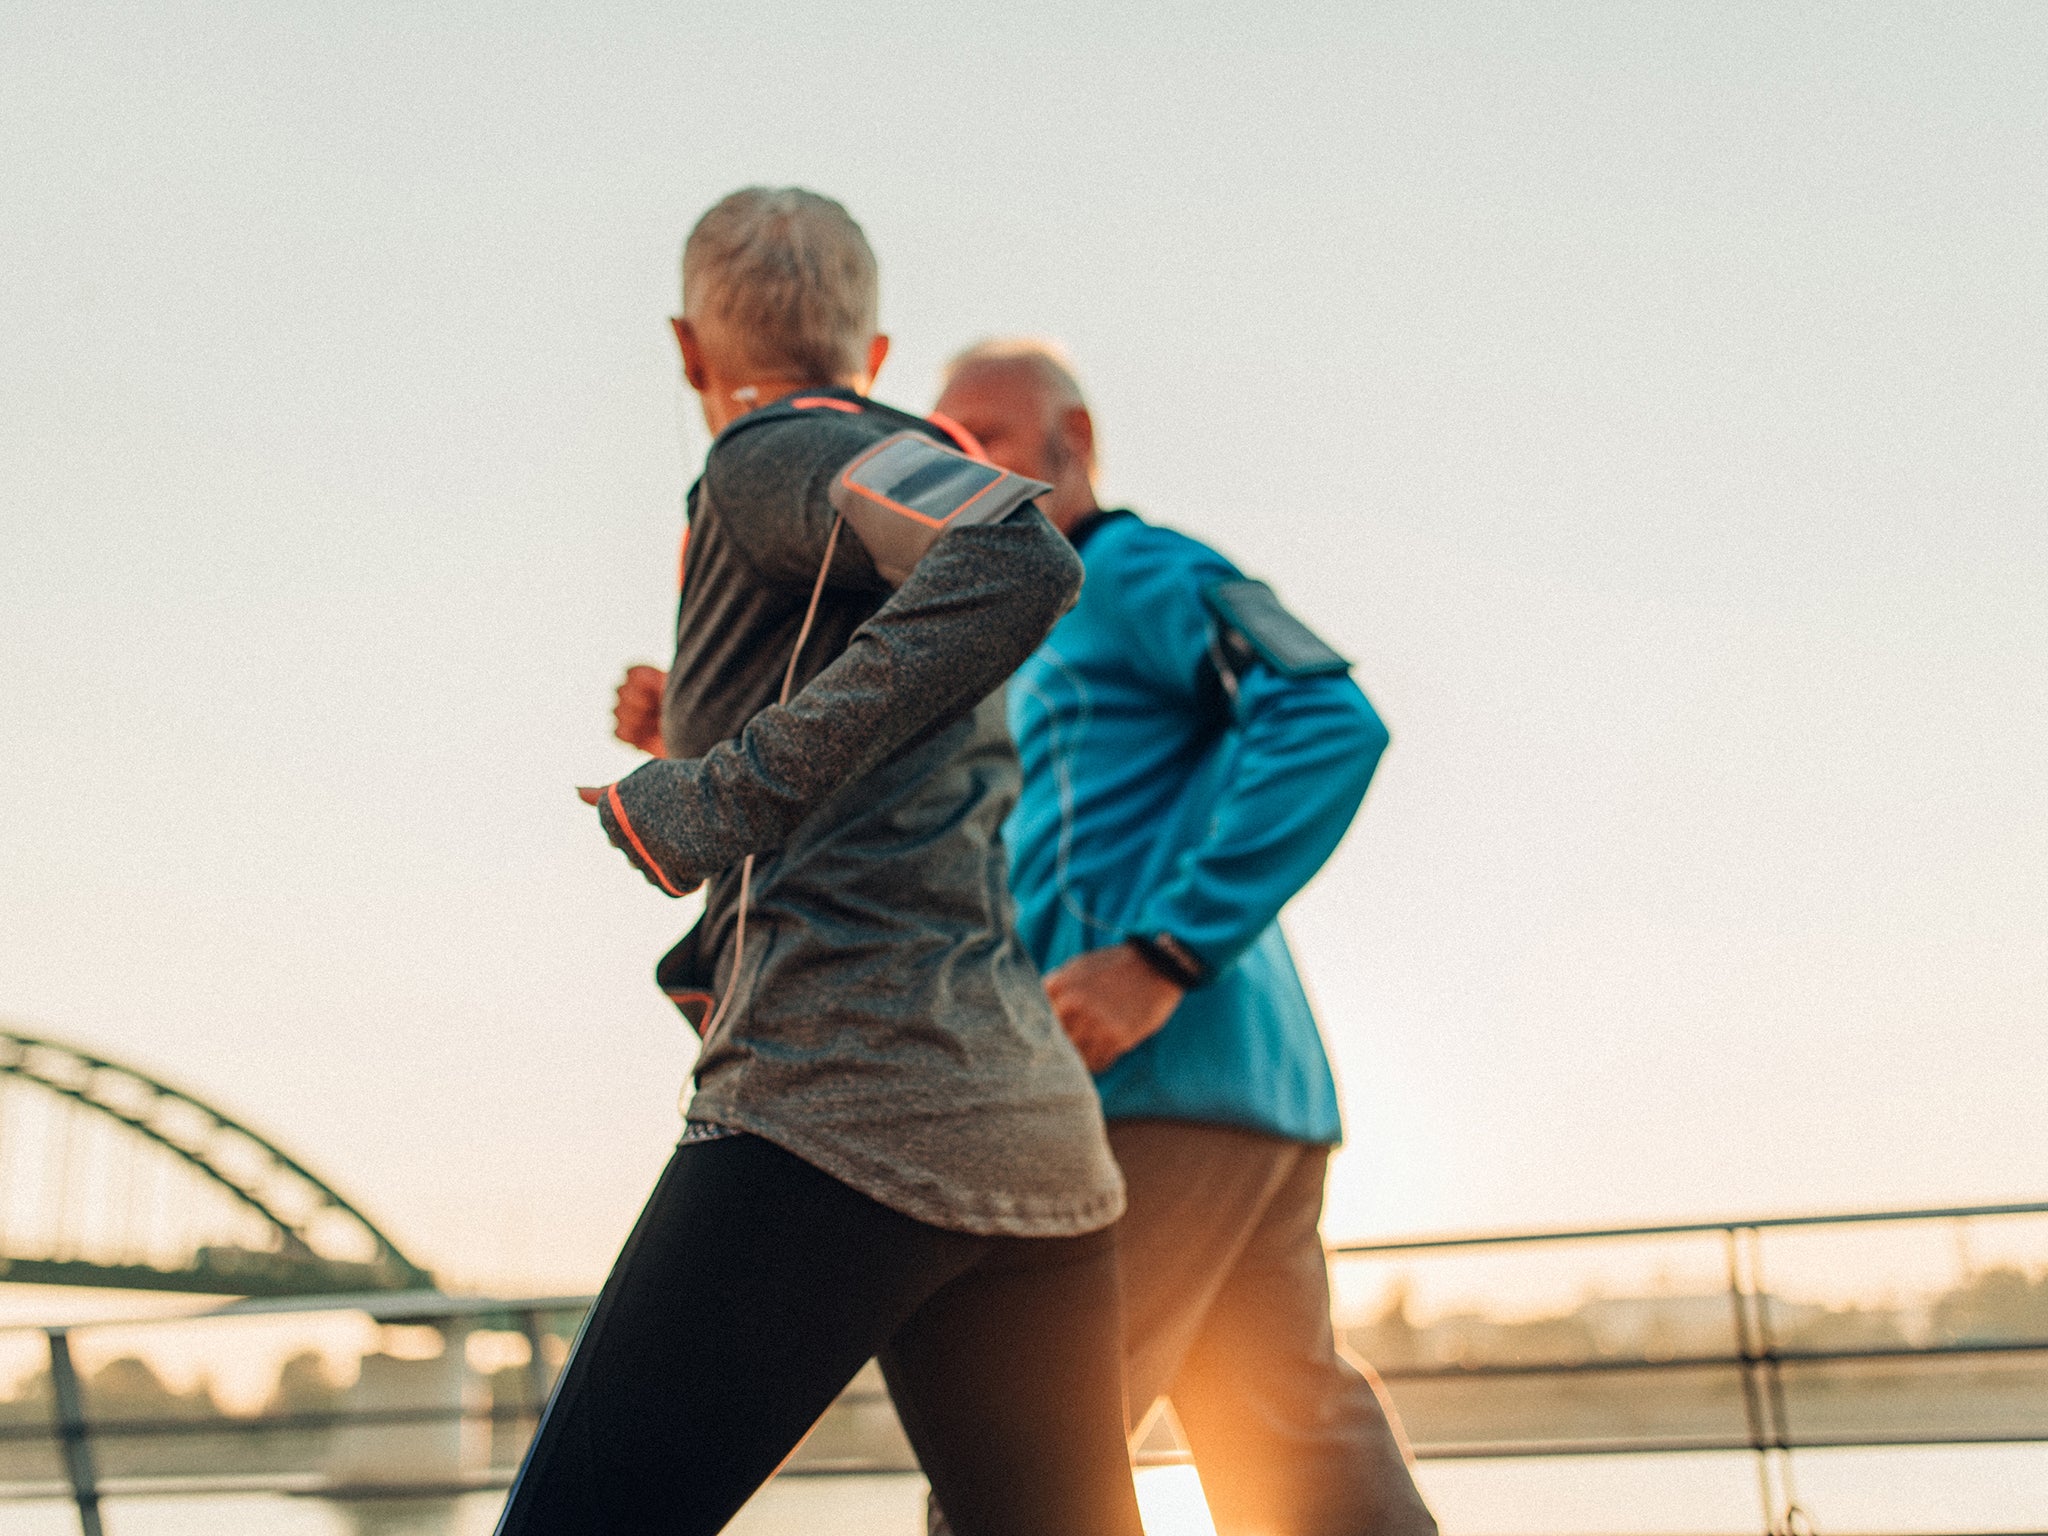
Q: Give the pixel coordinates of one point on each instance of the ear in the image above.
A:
(693, 352)
(878, 351)
(1077, 434)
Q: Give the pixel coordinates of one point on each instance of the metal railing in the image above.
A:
(78, 1436)
(1767, 1373)
(1761, 1364)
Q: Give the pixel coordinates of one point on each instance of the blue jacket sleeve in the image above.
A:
(1302, 752)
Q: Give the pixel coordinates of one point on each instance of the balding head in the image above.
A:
(1020, 397)
(1046, 362)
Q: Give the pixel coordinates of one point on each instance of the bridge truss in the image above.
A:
(109, 1177)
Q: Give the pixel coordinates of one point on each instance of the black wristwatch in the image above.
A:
(1171, 959)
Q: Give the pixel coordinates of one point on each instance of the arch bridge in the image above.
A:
(111, 1177)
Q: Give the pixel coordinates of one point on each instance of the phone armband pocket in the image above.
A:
(1255, 626)
(905, 493)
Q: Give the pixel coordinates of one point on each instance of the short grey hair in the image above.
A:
(1047, 360)
(789, 277)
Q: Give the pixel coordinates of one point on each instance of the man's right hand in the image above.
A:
(1109, 1001)
(636, 717)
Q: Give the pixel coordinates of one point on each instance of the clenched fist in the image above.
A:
(636, 717)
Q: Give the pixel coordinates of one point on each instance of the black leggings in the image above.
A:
(751, 1290)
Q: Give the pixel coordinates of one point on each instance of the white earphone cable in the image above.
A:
(739, 943)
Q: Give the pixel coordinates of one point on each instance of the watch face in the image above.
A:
(1172, 959)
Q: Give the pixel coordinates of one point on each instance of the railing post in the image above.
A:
(1795, 1519)
(1750, 1355)
(537, 1379)
(1763, 1385)
(69, 1405)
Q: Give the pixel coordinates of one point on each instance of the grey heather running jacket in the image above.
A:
(885, 1024)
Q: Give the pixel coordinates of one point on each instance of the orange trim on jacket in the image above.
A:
(963, 439)
(611, 792)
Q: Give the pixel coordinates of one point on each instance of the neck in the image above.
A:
(1069, 507)
(726, 400)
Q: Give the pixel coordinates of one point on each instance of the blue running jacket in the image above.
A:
(1159, 799)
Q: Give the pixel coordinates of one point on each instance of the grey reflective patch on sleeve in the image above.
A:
(907, 491)
(1255, 625)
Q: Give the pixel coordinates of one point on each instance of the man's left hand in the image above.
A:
(636, 711)
(1108, 1001)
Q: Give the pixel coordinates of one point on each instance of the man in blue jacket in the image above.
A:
(1192, 755)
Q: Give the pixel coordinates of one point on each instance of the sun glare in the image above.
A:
(1170, 1499)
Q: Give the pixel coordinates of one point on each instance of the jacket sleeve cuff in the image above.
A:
(1172, 960)
(618, 826)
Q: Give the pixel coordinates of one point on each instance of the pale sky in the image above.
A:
(1650, 397)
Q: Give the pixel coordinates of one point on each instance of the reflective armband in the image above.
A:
(905, 492)
(1254, 625)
